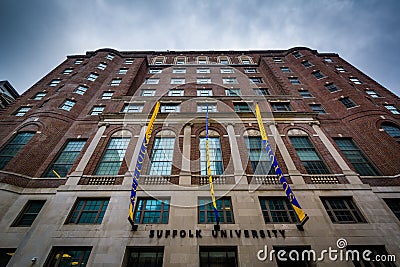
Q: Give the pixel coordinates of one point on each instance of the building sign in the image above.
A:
(218, 234)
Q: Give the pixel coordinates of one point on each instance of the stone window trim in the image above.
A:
(29, 213)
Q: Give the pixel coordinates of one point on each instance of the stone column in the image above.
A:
(235, 156)
(351, 176)
(185, 177)
(76, 175)
(293, 172)
(132, 164)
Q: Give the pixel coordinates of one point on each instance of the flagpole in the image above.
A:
(210, 179)
(139, 165)
(289, 193)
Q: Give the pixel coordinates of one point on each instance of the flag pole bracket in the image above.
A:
(300, 226)
(134, 226)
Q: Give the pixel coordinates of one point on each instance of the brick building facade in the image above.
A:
(334, 130)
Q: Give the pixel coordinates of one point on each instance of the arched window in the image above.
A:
(114, 155)
(392, 130)
(162, 154)
(214, 145)
(13, 147)
(258, 157)
(310, 158)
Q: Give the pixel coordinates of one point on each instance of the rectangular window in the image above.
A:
(107, 95)
(306, 94)
(218, 256)
(355, 80)
(224, 207)
(170, 107)
(347, 102)
(29, 213)
(285, 69)
(176, 92)
(92, 77)
(161, 157)
(151, 81)
(146, 256)
(110, 57)
(97, 110)
(68, 256)
(261, 91)
(150, 210)
(113, 156)
(39, 96)
(250, 70)
(312, 162)
(226, 70)
(294, 80)
(177, 81)
(255, 80)
(229, 81)
(373, 94)
(78, 61)
(13, 147)
(277, 210)
(284, 259)
(394, 205)
(54, 82)
(224, 62)
(115, 82)
(148, 92)
(328, 60)
(202, 107)
(372, 251)
(22, 111)
(68, 105)
(245, 61)
(297, 54)
(232, 92)
(318, 108)
(258, 157)
(179, 71)
(281, 106)
(64, 161)
(180, 61)
(102, 66)
(88, 211)
(155, 71)
(340, 69)
(6, 255)
(201, 61)
(204, 92)
(202, 70)
(392, 109)
(81, 89)
(277, 60)
(241, 107)
(131, 108)
(122, 71)
(318, 75)
(353, 154)
(159, 61)
(67, 71)
(214, 146)
(203, 80)
(332, 88)
(342, 210)
(307, 64)
(128, 61)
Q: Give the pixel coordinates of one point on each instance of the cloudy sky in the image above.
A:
(37, 35)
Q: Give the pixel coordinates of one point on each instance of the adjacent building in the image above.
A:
(69, 147)
(7, 94)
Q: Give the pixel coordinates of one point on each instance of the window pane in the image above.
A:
(161, 158)
(113, 156)
(13, 147)
(146, 256)
(68, 256)
(215, 156)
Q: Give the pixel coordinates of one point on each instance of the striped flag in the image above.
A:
(289, 193)
(139, 163)
(210, 179)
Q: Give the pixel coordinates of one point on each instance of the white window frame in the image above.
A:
(204, 92)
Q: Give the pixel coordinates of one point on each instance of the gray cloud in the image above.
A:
(37, 35)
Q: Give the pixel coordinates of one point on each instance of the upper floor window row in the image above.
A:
(202, 60)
